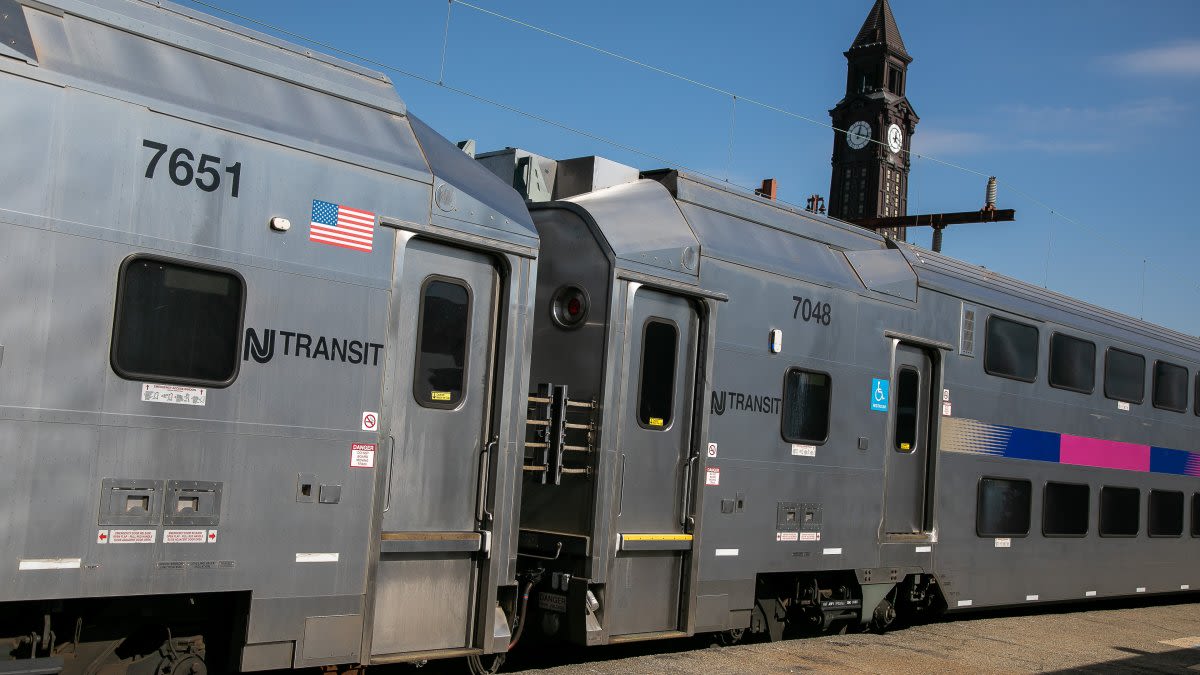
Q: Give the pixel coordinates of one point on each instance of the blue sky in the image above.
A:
(1086, 110)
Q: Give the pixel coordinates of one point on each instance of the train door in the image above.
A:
(655, 439)
(909, 441)
(444, 321)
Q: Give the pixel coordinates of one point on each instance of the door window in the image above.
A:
(908, 398)
(442, 336)
(656, 392)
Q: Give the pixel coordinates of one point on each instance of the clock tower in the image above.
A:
(873, 123)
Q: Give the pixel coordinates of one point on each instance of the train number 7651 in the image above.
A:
(205, 174)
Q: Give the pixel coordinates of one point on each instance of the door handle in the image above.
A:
(621, 489)
(687, 490)
(485, 461)
(387, 499)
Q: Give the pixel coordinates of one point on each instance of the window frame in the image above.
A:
(1194, 507)
(669, 422)
(987, 330)
(1050, 364)
(1100, 512)
(1087, 506)
(420, 335)
(783, 407)
(119, 307)
(978, 499)
(1183, 509)
(1110, 397)
(1154, 385)
(1196, 396)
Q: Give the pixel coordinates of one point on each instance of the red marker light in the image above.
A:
(574, 307)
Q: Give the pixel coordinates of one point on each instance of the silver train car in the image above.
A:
(289, 380)
(262, 375)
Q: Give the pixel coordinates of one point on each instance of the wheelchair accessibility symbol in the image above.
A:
(879, 394)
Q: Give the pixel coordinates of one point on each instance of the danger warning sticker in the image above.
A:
(712, 475)
(132, 536)
(362, 455)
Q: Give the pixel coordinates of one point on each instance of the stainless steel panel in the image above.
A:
(332, 638)
(622, 213)
(267, 656)
(885, 271)
(422, 603)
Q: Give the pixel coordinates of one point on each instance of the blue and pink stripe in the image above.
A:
(998, 440)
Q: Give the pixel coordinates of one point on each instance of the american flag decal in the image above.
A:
(339, 225)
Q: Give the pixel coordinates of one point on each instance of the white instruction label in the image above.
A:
(132, 536)
(362, 455)
(946, 409)
(945, 394)
(712, 475)
(810, 536)
(804, 450)
(787, 536)
(165, 393)
(833, 551)
(185, 536)
(1003, 542)
(1122, 405)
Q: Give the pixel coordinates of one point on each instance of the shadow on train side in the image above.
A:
(529, 658)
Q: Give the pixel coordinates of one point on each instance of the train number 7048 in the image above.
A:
(205, 175)
(815, 312)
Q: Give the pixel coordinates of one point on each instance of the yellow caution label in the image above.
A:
(656, 421)
(656, 537)
(440, 395)
(905, 446)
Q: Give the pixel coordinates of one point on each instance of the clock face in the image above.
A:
(858, 135)
(895, 138)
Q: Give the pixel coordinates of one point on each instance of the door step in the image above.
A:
(430, 655)
(642, 637)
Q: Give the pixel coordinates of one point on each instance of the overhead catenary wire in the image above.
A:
(734, 98)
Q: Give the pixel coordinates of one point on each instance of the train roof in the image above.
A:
(873, 258)
(200, 68)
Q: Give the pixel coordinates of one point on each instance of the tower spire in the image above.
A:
(880, 29)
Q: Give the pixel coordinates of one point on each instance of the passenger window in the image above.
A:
(1165, 514)
(1120, 514)
(806, 399)
(1072, 363)
(1170, 386)
(442, 337)
(656, 394)
(1003, 507)
(1065, 510)
(177, 322)
(908, 398)
(1124, 376)
(1011, 350)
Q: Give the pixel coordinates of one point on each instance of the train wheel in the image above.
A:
(731, 637)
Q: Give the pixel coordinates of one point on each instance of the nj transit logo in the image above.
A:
(879, 394)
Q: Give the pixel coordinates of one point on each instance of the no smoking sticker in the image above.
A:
(370, 421)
